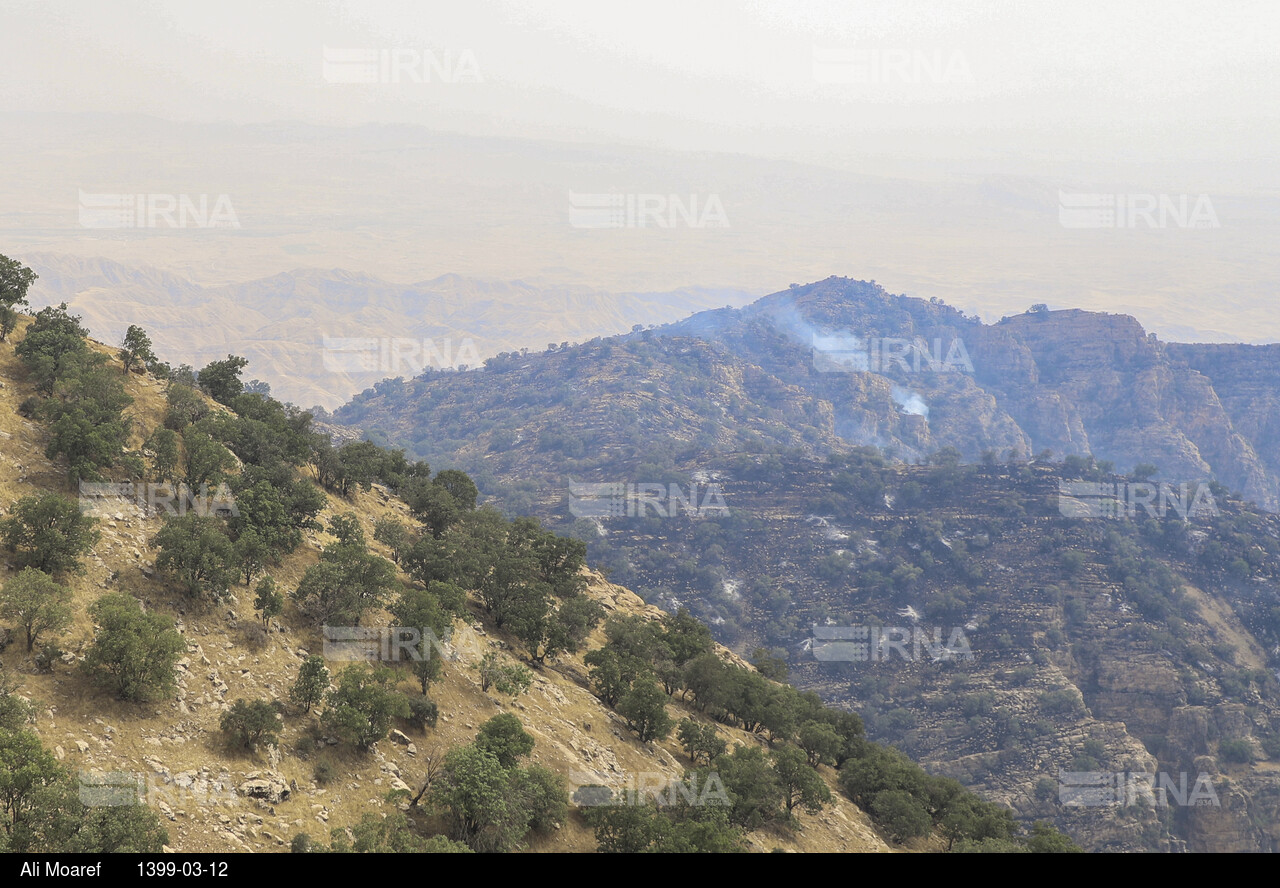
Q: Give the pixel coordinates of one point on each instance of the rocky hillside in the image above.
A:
(842, 362)
(1081, 645)
(213, 799)
(1145, 645)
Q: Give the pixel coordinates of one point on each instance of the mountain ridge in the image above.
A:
(284, 321)
(1075, 382)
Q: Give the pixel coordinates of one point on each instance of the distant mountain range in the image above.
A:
(319, 337)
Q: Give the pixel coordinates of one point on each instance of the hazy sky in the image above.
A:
(1135, 82)
(938, 138)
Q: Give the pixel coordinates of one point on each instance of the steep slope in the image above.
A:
(207, 793)
(1154, 646)
(1080, 656)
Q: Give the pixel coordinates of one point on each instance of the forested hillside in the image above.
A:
(222, 632)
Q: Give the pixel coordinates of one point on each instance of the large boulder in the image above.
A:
(271, 788)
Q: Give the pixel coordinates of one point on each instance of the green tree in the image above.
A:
(964, 817)
(37, 604)
(622, 828)
(755, 794)
(423, 713)
(512, 589)
(505, 737)
(420, 609)
(548, 631)
(349, 531)
(605, 669)
(87, 445)
(769, 664)
(68, 824)
(49, 532)
(475, 795)
(700, 741)
(801, 784)
(268, 602)
(163, 447)
(1239, 751)
(186, 406)
(543, 796)
(431, 504)
(27, 769)
(221, 379)
(511, 680)
(276, 506)
(557, 561)
(848, 726)
(358, 462)
(136, 350)
(901, 814)
(459, 486)
(249, 725)
(312, 683)
(84, 415)
(1046, 839)
(51, 338)
(644, 708)
(349, 581)
(702, 826)
(820, 742)
(1072, 561)
(362, 708)
(8, 321)
(385, 834)
(326, 596)
(15, 712)
(392, 534)
(709, 678)
(198, 552)
(252, 553)
(340, 593)
(133, 653)
(781, 710)
(873, 769)
(15, 280)
(207, 461)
